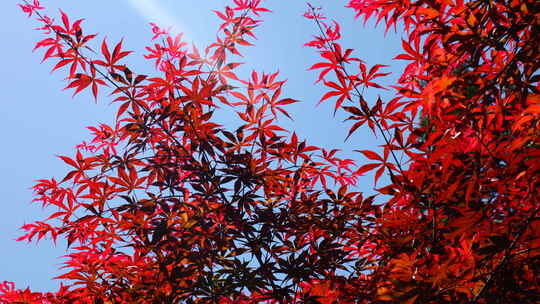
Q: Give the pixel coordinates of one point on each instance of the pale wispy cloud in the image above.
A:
(152, 11)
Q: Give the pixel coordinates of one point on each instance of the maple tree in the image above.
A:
(167, 206)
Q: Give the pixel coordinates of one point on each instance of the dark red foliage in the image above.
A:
(167, 206)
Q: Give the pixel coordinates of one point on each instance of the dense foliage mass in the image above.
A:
(167, 206)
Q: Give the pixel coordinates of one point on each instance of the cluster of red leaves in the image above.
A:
(461, 225)
(167, 206)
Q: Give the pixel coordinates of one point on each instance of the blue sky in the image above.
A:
(39, 120)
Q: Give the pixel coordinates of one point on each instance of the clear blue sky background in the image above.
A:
(39, 120)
